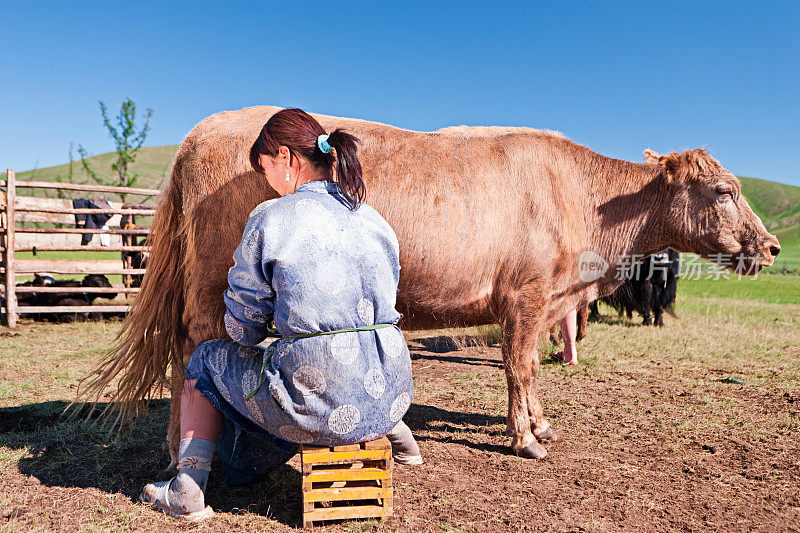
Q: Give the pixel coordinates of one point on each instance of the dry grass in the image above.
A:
(648, 439)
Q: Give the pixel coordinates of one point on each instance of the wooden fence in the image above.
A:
(14, 238)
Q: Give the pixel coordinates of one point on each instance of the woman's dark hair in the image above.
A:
(298, 131)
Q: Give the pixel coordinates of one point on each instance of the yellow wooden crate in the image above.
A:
(344, 482)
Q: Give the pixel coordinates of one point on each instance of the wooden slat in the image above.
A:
(40, 241)
(88, 248)
(67, 221)
(70, 290)
(35, 309)
(68, 272)
(85, 187)
(347, 448)
(29, 202)
(340, 513)
(66, 266)
(60, 211)
(347, 493)
(334, 457)
(110, 231)
(379, 444)
(105, 271)
(355, 474)
(8, 255)
(145, 212)
(316, 449)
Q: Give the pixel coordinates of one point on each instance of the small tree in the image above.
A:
(128, 142)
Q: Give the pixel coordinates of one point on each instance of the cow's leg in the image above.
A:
(594, 311)
(521, 334)
(583, 320)
(541, 428)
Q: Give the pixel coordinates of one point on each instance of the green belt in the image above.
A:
(268, 357)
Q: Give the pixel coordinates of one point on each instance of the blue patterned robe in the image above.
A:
(311, 264)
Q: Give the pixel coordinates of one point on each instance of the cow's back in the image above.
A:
(465, 203)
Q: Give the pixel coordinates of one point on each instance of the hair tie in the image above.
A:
(322, 142)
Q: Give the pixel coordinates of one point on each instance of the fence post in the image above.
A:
(8, 254)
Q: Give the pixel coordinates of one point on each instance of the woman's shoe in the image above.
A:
(156, 495)
(405, 450)
(406, 459)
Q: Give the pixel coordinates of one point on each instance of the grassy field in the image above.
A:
(652, 437)
(767, 288)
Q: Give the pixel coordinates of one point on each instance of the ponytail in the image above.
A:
(348, 167)
(301, 133)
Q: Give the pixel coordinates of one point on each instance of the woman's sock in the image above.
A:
(405, 450)
(185, 493)
(194, 460)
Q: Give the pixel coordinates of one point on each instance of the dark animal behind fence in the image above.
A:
(650, 289)
(50, 299)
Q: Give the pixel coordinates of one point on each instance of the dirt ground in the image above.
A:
(649, 437)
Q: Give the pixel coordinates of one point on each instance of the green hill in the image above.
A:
(777, 204)
(773, 202)
(153, 164)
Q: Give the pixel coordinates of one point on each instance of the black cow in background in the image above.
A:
(650, 289)
(65, 298)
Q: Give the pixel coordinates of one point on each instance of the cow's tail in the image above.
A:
(153, 329)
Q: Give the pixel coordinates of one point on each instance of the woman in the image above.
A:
(323, 265)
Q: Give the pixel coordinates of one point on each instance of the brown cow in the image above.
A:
(492, 225)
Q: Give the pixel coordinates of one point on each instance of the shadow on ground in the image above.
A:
(433, 349)
(620, 320)
(73, 450)
(443, 425)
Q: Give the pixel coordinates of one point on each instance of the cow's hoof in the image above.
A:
(548, 435)
(533, 450)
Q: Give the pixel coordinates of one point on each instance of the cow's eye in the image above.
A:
(724, 192)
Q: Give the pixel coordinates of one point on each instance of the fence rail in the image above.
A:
(13, 239)
(81, 231)
(69, 248)
(85, 211)
(79, 187)
(59, 290)
(34, 309)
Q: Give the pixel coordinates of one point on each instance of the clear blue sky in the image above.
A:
(616, 76)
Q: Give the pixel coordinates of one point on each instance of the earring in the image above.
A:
(288, 177)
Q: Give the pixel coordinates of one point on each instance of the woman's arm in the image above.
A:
(249, 299)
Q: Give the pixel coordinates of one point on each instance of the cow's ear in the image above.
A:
(651, 157)
(671, 163)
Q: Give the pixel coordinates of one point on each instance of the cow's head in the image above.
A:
(708, 215)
